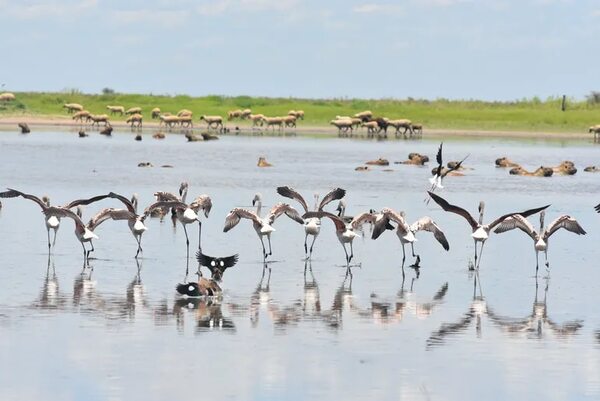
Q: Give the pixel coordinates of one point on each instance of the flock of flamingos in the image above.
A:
(347, 228)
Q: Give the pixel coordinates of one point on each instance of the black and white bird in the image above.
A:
(480, 231)
(202, 288)
(312, 226)
(441, 172)
(217, 266)
(540, 239)
(405, 232)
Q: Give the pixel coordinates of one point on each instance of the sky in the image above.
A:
(455, 49)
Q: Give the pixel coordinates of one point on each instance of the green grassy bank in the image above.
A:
(524, 115)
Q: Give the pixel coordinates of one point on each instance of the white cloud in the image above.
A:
(375, 8)
(45, 8)
(596, 13)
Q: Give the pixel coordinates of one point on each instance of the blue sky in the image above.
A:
(458, 49)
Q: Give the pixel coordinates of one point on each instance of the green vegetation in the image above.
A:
(526, 115)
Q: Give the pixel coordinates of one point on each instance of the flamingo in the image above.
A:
(312, 226)
(345, 232)
(135, 221)
(540, 239)
(480, 231)
(262, 226)
(406, 233)
(52, 214)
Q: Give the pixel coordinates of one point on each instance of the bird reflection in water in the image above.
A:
(261, 297)
(311, 306)
(537, 321)
(477, 309)
(207, 313)
(84, 288)
(50, 296)
(136, 293)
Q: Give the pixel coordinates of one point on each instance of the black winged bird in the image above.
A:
(203, 288)
(217, 266)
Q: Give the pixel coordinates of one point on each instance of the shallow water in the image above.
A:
(304, 331)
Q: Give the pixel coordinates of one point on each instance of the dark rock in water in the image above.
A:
(24, 128)
(209, 137)
(192, 138)
(82, 134)
(107, 131)
(138, 137)
(145, 164)
(166, 166)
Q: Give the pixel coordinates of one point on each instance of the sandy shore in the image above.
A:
(6, 122)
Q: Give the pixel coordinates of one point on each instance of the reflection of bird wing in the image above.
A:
(446, 329)
(165, 204)
(125, 201)
(510, 324)
(293, 194)
(202, 202)
(524, 214)
(358, 221)
(234, 216)
(566, 222)
(78, 202)
(282, 208)
(13, 193)
(454, 209)
(441, 292)
(425, 223)
(109, 213)
(516, 221)
(567, 328)
(334, 194)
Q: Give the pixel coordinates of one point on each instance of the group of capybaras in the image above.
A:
(346, 227)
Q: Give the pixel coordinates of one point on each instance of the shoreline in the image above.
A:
(326, 130)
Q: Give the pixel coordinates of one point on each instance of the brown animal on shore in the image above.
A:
(155, 113)
(539, 172)
(97, 119)
(80, 115)
(72, 107)
(262, 162)
(135, 120)
(134, 110)
(505, 162)
(417, 129)
(378, 162)
(7, 97)
(24, 128)
(565, 168)
(116, 109)
(595, 129)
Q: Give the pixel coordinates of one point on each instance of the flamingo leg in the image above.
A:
(537, 265)
(49, 244)
(403, 255)
(546, 254)
(412, 248)
(311, 245)
(305, 245)
(263, 247)
(269, 239)
(54, 240)
(187, 241)
(351, 252)
(199, 235)
(480, 253)
(138, 238)
(346, 252)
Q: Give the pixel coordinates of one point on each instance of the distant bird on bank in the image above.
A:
(480, 231)
(312, 226)
(406, 233)
(441, 172)
(52, 214)
(262, 226)
(345, 232)
(540, 239)
(217, 266)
